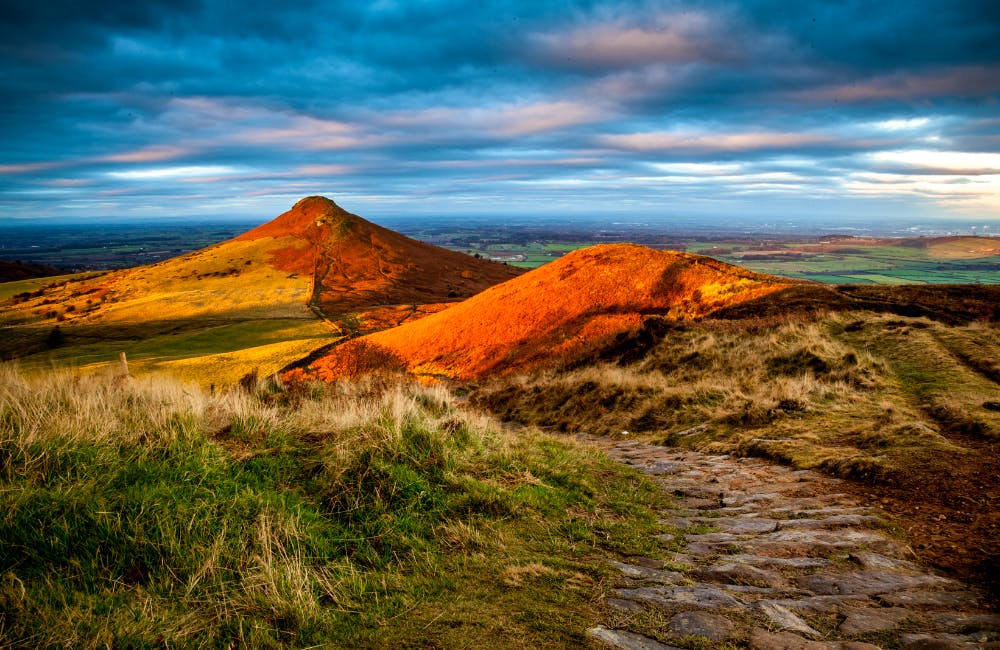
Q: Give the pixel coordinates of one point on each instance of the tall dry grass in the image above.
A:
(800, 391)
(197, 511)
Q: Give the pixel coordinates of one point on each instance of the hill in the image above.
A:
(315, 261)
(314, 255)
(557, 312)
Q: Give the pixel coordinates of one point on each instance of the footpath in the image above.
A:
(771, 558)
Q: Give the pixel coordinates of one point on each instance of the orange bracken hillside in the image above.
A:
(356, 264)
(315, 257)
(555, 312)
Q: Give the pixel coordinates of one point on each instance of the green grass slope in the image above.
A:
(148, 513)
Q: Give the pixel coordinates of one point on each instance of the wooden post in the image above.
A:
(124, 362)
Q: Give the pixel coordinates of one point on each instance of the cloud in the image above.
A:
(675, 37)
(182, 106)
(703, 142)
(938, 84)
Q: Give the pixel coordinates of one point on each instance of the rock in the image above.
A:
(740, 574)
(622, 605)
(711, 626)
(647, 562)
(697, 503)
(965, 621)
(704, 549)
(876, 562)
(781, 562)
(784, 618)
(820, 604)
(862, 621)
(744, 499)
(677, 522)
(867, 583)
(626, 640)
(935, 642)
(761, 639)
(714, 538)
(816, 542)
(665, 538)
(747, 526)
(836, 521)
(663, 467)
(930, 599)
(697, 596)
(647, 574)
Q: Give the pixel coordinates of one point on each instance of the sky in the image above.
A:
(880, 111)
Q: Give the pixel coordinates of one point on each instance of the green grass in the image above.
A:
(144, 512)
(193, 341)
(11, 289)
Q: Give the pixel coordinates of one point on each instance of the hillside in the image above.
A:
(315, 261)
(582, 301)
(316, 254)
(894, 388)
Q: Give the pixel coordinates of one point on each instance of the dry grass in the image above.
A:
(809, 392)
(142, 512)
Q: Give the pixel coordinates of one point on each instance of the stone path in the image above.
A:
(770, 558)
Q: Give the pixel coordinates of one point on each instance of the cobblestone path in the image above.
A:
(772, 558)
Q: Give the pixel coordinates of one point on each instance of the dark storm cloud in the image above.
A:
(191, 107)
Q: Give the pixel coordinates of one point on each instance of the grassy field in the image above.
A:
(11, 289)
(946, 261)
(202, 351)
(149, 513)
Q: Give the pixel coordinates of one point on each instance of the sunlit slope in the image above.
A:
(357, 264)
(560, 310)
(316, 254)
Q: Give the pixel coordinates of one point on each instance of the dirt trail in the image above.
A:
(773, 558)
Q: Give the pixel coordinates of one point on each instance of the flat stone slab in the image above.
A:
(937, 642)
(868, 583)
(930, 599)
(744, 499)
(784, 618)
(626, 640)
(877, 562)
(948, 620)
(862, 621)
(835, 521)
(664, 467)
(815, 542)
(677, 522)
(728, 538)
(704, 624)
(761, 639)
(740, 574)
(781, 562)
(702, 596)
(703, 549)
(623, 605)
(647, 574)
(821, 604)
(746, 525)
